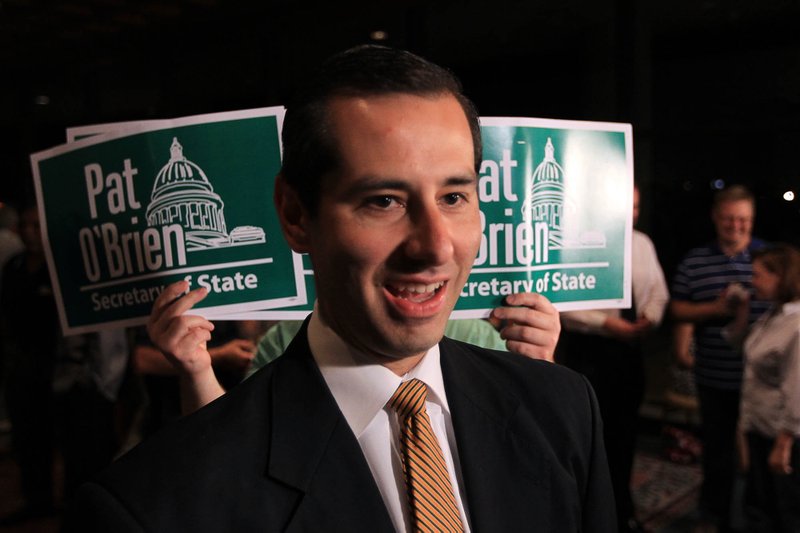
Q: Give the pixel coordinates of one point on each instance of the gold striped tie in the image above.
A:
(430, 494)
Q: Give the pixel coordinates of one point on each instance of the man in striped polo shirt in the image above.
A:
(708, 283)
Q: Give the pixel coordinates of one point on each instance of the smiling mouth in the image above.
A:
(415, 292)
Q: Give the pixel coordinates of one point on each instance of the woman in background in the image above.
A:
(770, 409)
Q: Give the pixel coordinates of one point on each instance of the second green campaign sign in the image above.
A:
(555, 214)
(126, 215)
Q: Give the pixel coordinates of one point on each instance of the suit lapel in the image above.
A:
(505, 477)
(313, 450)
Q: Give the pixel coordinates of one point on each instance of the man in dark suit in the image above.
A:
(379, 186)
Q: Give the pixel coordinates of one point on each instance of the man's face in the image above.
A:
(398, 225)
(734, 224)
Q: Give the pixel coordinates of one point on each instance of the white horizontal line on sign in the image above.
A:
(602, 264)
(176, 271)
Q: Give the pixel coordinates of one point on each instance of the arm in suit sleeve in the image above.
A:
(94, 509)
(599, 511)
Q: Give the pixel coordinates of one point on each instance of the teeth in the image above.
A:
(419, 287)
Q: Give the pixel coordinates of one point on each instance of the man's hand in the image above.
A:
(531, 327)
(725, 305)
(625, 330)
(781, 455)
(236, 354)
(182, 338)
(682, 335)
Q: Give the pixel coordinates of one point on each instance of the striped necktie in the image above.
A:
(430, 494)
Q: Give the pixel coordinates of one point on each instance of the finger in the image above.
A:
(186, 302)
(162, 330)
(176, 308)
(189, 350)
(171, 339)
(168, 296)
(531, 351)
(544, 338)
(175, 297)
(192, 339)
(180, 326)
(494, 321)
(245, 344)
(531, 299)
(523, 302)
(527, 316)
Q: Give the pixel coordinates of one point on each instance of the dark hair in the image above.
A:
(309, 149)
(782, 260)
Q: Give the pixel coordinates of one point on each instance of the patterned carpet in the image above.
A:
(664, 492)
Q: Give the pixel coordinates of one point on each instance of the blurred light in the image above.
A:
(41, 99)
(788, 196)
(718, 184)
(378, 35)
(688, 185)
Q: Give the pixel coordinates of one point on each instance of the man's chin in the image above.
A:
(409, 341)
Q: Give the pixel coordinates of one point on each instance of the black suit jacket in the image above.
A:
(276, 454)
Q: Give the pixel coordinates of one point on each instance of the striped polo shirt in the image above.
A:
(701, 277)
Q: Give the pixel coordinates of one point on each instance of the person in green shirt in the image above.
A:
(274, 342)
(528, 324)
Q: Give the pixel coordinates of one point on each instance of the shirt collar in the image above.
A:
(361, 386)
(791, 307)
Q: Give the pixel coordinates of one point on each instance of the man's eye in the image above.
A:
(381, 202)
(454, 198)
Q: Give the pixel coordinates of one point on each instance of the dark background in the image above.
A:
(712, 87)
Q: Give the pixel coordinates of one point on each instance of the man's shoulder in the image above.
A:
(701, 253)
(504, 361)
(530, 380)
(206, 434)
(756, 244)
(199, 461)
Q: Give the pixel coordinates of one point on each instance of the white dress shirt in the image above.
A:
(361, 388)
(771, 382)
(650, 293)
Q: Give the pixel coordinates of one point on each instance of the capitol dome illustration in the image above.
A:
(182, 194)
(545, 202)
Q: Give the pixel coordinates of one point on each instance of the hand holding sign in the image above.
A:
(181, 337)
(531, 327)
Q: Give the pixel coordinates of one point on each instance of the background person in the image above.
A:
(30, 337)
(705, 290)
(770, 409)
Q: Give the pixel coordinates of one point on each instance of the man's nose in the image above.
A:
(430, 239)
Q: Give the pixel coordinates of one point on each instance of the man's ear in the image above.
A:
(292, 214)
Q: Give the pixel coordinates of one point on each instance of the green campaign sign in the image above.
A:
(556, 214)
(128, 212)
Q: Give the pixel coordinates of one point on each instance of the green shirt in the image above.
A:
(277, 338)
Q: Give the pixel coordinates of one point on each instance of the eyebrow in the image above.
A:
(370, 184)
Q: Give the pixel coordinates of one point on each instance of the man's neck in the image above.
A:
(731, 249)
(398, 365)
(402, 366)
